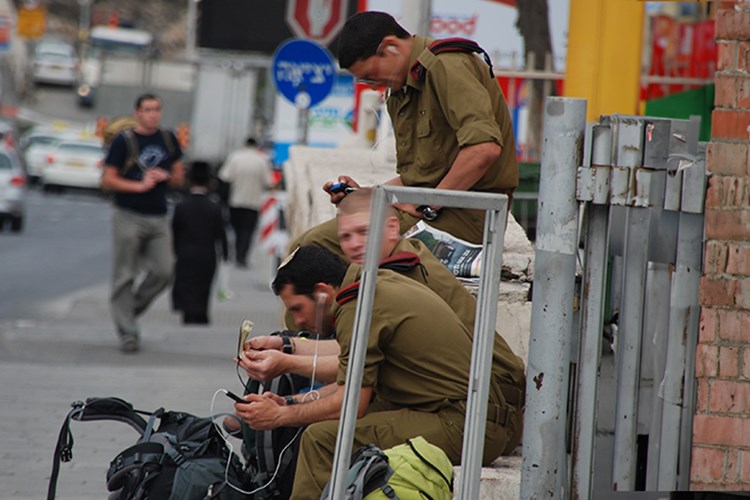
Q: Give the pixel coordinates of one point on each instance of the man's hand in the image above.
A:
(263, 365)
(158, 174)
(408, 208)
(262, 412)
(264, 342)
(337, 197)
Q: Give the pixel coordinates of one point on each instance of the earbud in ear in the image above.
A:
(393, 50)
(321, 296)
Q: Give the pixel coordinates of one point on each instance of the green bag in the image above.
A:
(412, 471)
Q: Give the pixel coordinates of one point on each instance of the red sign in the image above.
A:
(318, 20)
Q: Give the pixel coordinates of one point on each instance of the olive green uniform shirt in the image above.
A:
(458, 104)
(418, 351)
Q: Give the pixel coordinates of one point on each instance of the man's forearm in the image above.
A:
(307, 346)
(470, 165)
(328, 407)
(326, 369)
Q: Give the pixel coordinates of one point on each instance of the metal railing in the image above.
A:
(481, 359)
(639, 189)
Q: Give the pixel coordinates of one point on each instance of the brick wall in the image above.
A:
(721, 429)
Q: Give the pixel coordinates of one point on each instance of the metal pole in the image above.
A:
(192, 24)
(544, 469)
(683, 321)
(592, 304)
(475, 421)
(356, 366)
(630, 156)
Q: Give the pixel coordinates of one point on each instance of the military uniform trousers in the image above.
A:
(388, 428)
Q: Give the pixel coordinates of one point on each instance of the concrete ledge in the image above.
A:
(501, 481)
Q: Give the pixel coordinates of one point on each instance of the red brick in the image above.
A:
(709, 325)
(726, 91)
(726, 55)
(743, 57)
(742, 97)
(706, 360)
(746, 363)
(721, 431)
(742, 297)
(732, 25)
(730, 124)
(707, 464)
(703, 486)
(738, 259)
(701, 399)
(727, 158)
(731, 225)
(715, 260)
(717, 292)
(733, 466)
(713, 193)
(745, 469)
(729, 396)
(729, 362)
(734, 325)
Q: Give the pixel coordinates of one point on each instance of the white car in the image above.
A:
(37, 147)
(55, 63)
(74, 163)
(12, 190)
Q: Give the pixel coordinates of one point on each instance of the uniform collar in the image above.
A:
(420, 44)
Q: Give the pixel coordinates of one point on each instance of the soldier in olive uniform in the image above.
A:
(407, 389)
(450, 121)
(265, 358)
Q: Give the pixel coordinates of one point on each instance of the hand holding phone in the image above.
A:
(234, 396)
(340, 187)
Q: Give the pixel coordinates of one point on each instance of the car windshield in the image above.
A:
(42, 140)
(87, 149)
(55, 57)
(5, 162)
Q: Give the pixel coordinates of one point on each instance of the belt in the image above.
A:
(496, 414)
(514, 396)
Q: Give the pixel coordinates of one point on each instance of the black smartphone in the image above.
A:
(234, 396)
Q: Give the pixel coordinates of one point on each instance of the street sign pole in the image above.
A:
(303, 72)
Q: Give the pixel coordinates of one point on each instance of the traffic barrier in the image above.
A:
(273, 238)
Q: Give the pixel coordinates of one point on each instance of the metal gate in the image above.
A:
(615, 311)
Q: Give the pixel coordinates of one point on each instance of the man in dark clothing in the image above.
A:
(197, 231)
(140, 165)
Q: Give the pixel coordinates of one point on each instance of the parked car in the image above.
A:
(37, 146)
(12, 190)
(55, 62)
(74, 163)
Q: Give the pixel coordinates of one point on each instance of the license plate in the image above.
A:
(75, 163)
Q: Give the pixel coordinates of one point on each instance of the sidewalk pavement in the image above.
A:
(69, 352)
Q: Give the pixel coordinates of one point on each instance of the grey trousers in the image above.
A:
(142, 244)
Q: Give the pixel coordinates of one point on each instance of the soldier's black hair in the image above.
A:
(362, 33)
(308, 266)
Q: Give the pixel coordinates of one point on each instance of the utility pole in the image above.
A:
(416, 16)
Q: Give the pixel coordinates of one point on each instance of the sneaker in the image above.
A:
(129, 345)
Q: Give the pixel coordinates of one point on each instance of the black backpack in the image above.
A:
(272, 455)
(183, 458)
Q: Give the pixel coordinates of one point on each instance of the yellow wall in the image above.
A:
(604, 55)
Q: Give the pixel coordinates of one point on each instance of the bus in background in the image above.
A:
(109, 43)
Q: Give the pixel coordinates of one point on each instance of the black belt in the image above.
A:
(496, 414)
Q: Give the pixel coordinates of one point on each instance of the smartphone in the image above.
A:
(340, 187)
(245, 329)
(234, 396)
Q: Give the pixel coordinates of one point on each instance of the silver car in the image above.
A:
(55, 63)
(12, 191)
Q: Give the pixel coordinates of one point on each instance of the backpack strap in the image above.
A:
(93, 409)
(167, 138)
(133, 151)
(429, 464)
(419, 72)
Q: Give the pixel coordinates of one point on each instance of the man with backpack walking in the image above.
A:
(141, 164)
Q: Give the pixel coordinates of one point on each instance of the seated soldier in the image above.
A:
(265, 360)
(407, 389)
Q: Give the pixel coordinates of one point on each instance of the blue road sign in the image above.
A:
(303, 72)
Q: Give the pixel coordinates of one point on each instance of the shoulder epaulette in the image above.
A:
(419, 72)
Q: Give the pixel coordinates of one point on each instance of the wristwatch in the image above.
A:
(428, 213)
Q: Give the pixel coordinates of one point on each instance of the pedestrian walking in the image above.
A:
(247, 172)
(141, 164)
(199, 239)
